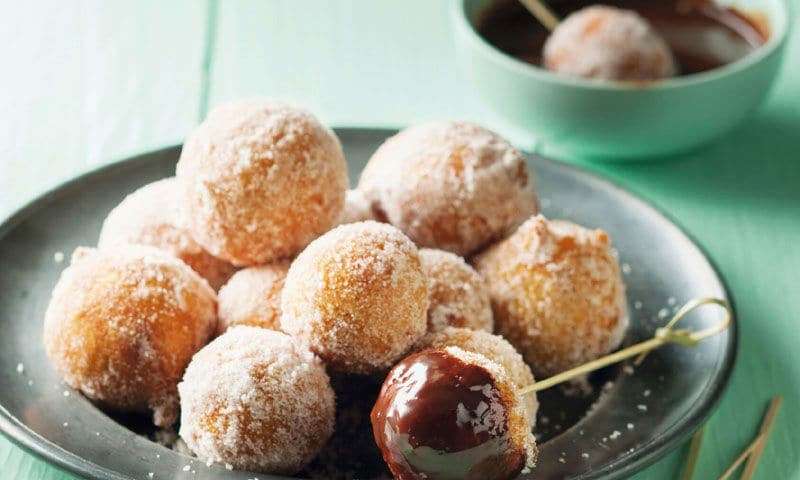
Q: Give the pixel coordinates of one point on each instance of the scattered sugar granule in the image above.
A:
(209, 462)
(628, 370)
(187, 468)
(150, 474)
(66, 393)
(642, 407)
(66, 424)
(585, 455)
(630, 426)
(20, 368)
(30, 383)
(561, 459)
(626, 269)
(544, 420)
(637, 305)
(615, 435)
(671, 301)
(58, 257)
(228, 466)
(605, 439)
(158, 455)
(646, 393)
(663, 313)
(97, 434)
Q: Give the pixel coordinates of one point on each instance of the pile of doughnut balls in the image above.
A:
(440, 245)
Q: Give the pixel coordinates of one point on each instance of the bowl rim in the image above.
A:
(776, 41)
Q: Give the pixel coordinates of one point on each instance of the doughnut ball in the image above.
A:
(357, 208)
(124, 322)
(262, 179)
(449, 413)
(457, 294)
(152, 215)
(493, 347)
(256, 400)
(357, 297)
(608, 43)
(253, 297)
(453, 186)
(557, 293)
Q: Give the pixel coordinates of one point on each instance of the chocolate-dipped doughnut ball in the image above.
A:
(357, 297)
(557, 293)
(608, 43)
(152, 215)
(457, 294)
(256, 400)
(451, 414)
(453, 186)
(253, 297)
(262, 179)
(124, 322)
(493, 347)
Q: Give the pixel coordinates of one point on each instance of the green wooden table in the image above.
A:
(93, 81)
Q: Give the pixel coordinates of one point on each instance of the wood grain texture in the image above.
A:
(74, 95)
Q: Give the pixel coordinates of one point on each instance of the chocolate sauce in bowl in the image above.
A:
(702, 35)
(439, 417)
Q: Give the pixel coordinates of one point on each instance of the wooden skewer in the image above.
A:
(766, 427)
(743, 456)
(694, 454)
(542, 13)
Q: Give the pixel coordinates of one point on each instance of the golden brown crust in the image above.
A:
(253, 297)
(557, 293)
(123, 324)
(357, 297)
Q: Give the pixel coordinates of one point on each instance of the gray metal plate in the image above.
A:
(677, 386)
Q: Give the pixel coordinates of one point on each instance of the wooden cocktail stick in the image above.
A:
(542, 13)
(663, 336)
(766, 427)
(694, 454)
(744, 455)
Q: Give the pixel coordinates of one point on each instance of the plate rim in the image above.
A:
(33, 443)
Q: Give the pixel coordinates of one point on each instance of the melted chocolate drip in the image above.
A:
(438, 417)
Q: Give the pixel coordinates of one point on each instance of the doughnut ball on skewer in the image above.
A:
(608, 43)
(262, 179)
(253, 297)
(124, 322)
(458, 296)
(357, 297)
(493, 347)
(449, 413)
(453, 185)
(256, 400)
(557, 293)
(152, 216)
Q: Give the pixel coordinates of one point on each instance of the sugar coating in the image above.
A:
(608, 43)
(262, 179)
(522, 441)
(457, 293)
(152, 215)
(253, 297)
(557, 293)
(493, 347)
(356, 208)
(357, 297)
(257, 401)
(123, 323)
(454, 186)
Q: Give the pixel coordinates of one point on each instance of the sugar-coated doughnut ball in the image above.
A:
(457, 294)
(493, 347)
(357, 208)
(253, 297)
(557, 293)
(124, 322)
(357, 297)
(453, 186)
(262, 179)
(448, 413)
(152, 215)
(608, 43)
(256, 400)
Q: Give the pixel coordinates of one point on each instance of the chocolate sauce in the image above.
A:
(701, 34)
(438, 417)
